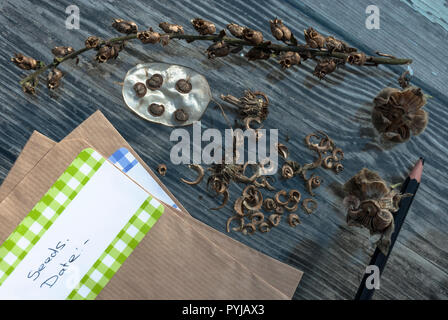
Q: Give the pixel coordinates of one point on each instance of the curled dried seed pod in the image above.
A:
(274, 219)
(238, 206)
(279, 210)
(293, 220)
(183, 86)
(229, 221)
(218, 49)
(140, 89)
(252, 36)
(269, 204)
(28, 87)
(334, 44)
(124, 26)
(289, 59)
(282, 150)
(338, 154)
(329, 162)
(60, 52)
(54, 77)
(226, 196)
(295, 195)
(180, 115)
(338, 168)
(249, 229)
(156, 109)
(155, 82)
(278, 195)
(198, 168)
(309, 205)
(292, 207)
(279, 30)
(264, 227)
(258, 54)
(312, 183)
(257, 218)
(264, 183)
(171, 28)
(204, 27)
(149, 36)
(255, 203)
(162, 169)
(24, 62)
(313, 38)
(92, 42)
(324, 67)
(287, 171)
(249, 120)
(357, 58)
(236, 30)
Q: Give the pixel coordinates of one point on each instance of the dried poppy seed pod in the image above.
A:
(218, 49)
(279, 30)
(252, 36)
(60, 52)
(171, 28)
(148, 36)
(92, 42)
(289, 59)
(324, 67)
(258, 54)
(204, 27)
(358, 58)
(124, 26)
(313, 38)
(54, 76)
(24, 62)
(236, 30)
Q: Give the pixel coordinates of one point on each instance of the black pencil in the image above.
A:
(410, 185)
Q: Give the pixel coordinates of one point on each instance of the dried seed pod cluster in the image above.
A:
(370, 204)
(289, 55)
(253, 106)
(398, 114)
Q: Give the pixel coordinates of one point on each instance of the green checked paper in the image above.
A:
(79, 234)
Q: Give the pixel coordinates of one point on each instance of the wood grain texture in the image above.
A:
(332, 255)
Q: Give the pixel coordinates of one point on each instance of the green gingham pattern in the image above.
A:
(118, 251)
(42, 216)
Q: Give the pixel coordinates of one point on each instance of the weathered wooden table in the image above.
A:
(332, 255)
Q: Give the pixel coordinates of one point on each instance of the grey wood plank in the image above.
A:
(332, 255)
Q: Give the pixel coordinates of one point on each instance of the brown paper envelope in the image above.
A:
(278, 274)
(36, 147)
(183, 264)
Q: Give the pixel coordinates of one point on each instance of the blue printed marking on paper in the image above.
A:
(127, 163)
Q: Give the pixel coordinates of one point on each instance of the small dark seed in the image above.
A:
(156, 109)
(140, 89)
(183, 86)
(180, 115)
(155, 82)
